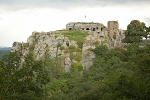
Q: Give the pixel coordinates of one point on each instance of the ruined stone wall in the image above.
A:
(113, 27)
(86, 26)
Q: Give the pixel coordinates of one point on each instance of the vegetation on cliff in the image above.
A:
(76, 35)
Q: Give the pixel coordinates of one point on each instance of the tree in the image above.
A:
(147, 32)
(21, 80)
(8, 80)
(135, 31)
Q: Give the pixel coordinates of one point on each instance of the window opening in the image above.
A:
(93, 29)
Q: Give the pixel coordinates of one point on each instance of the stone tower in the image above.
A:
(113, 27)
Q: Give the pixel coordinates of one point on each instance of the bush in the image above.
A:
(31, 48)
(62, 48)
(76, 66)
(72, 47)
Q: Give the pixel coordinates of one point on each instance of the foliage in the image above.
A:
(77, 56)
(76, 66)
(62, 47)
(31, 47)
(72, 49)
(135, 31)
(58, 45)
(3, 52)
(25, 45)
(101, 50)
(116, 74)
(21, 81)
(35, 34)
(103, 42)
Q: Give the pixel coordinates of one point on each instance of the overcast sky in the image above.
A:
(19, 18)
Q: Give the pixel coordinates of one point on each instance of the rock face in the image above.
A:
(55, 44)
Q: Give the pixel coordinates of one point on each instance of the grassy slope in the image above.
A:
(76, 35)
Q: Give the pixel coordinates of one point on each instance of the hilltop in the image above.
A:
(74, 44)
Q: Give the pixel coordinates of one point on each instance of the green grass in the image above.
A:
(103, 42)
(76, 35)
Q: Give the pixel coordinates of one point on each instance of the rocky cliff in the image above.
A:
(74, 47)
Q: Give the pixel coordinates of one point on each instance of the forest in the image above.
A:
(121, 73)
(3, 51)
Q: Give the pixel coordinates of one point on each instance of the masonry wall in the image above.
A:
(90, 26)
(113, 27)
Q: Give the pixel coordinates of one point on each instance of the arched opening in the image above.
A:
(101, 36)
(87, 29)
(93, 29)
(70, 28)
(67, 43)
(101, 29)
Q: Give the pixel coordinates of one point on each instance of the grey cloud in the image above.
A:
(1, 18)
(147, 20)
(63, 4)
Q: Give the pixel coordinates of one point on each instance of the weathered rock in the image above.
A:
(30, 40)
(16, 46)
(87, 59)
(67, 63)
(57, 45)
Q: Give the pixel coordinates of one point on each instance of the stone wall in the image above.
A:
(86, 26)
(113, 27)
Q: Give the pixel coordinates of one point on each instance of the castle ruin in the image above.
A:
(86, 26)
(112, 27)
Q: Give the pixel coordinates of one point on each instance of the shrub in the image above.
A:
(35, 34)
(58, 45)
(76, 66)
(72, 47)
(103, 42)
(25, 45)
(62, 48)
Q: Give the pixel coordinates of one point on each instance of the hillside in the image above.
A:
(3, 51)
(5, 48)
(73, 46)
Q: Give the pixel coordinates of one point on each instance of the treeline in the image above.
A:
(3, 52)
(116, 74)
